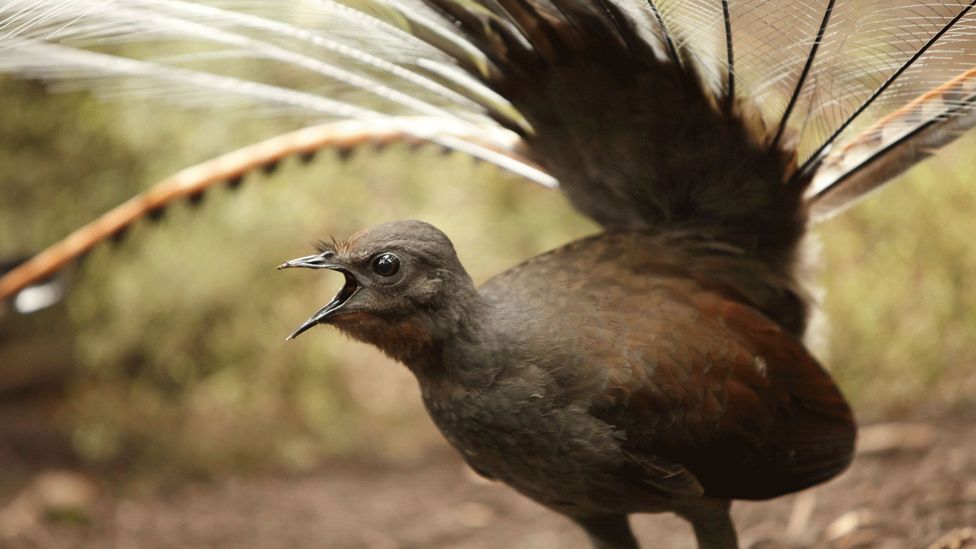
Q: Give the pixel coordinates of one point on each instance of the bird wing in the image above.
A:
(664, 338)
(707, 383)
(697, 114)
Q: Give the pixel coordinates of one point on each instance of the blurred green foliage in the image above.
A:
(60, 160)
(179, 331)
(900, 274)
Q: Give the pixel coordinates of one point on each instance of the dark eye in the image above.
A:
(386, 264)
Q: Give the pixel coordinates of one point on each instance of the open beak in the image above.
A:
(324, 261)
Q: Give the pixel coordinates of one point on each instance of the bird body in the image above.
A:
(614, 375)
(696, 386)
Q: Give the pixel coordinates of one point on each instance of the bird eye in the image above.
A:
(386, 264)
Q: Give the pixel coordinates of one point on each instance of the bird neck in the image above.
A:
(459, 349)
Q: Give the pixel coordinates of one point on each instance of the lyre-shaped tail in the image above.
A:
(732, 119)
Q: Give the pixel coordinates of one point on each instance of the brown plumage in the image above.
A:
(623, 373)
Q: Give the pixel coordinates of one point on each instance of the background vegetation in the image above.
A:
(176, 335)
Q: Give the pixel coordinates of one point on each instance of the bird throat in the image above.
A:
(404, 339)
(434, 343)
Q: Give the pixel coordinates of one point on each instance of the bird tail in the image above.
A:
(893, 144)
(739, 120)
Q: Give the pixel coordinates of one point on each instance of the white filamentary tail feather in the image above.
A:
(769, 42)
(172, 20)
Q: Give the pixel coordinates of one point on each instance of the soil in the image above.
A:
(912, 486)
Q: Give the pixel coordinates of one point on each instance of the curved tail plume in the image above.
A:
(894, 144)
(741, 119)
(230, 168)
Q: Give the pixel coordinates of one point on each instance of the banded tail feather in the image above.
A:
(231, 168)
(741, 120)
(894, 144)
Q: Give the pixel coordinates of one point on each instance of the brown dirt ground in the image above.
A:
(903, 497)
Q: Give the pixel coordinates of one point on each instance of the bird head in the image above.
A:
(404, 286)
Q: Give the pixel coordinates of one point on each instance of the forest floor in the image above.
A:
(913, 485)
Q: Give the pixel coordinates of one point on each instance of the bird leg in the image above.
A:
(608, 531)
(712, 523)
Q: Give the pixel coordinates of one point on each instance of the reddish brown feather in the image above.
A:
(691, 372)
